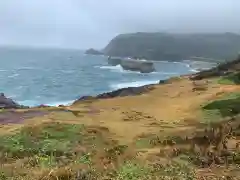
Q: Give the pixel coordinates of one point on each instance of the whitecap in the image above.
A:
(65, 103)
(67, 71)
(194, 70)
(26, 68)
(13, 75)
(132, 84)
(33, 103)
(118, 67)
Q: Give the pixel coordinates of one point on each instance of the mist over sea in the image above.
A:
(55, 76)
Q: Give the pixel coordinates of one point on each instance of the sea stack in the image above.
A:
(138, 65)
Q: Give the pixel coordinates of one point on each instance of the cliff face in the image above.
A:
(162, 46)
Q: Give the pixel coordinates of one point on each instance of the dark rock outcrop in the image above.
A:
(130, 91)
(132, 64)
(7, 103)
(93, 52)
(138, 65)
(221, 70)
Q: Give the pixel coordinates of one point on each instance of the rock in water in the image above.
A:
(138, 65)
(7, 103)
(93, 52)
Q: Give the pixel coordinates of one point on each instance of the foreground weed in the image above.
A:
(84, 159)
(45, 161)
(3, 176)
(174, 171)
(132, 171)
(50, 139)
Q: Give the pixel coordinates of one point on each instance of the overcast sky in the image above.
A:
(92, 23)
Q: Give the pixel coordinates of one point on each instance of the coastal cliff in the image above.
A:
(175, 47)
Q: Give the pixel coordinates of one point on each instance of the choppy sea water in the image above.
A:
(52, 76)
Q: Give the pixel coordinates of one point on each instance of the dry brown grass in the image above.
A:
(155, 127)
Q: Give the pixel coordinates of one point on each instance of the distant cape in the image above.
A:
(92, 51)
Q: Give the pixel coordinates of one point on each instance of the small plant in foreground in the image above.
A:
(85, 159)
(132, 171)
(3, 176)
(45, 161)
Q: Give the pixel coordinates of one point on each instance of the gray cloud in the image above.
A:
(92, 23)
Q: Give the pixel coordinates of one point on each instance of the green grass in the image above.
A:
(226, 106)
(132, 171)
(55, 138)
(51, 146)
(172, 171)
(144, 142)
(231, 79)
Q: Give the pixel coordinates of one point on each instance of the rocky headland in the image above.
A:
(92, 51)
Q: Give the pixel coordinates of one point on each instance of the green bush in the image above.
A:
(231, 79)
(227, 107)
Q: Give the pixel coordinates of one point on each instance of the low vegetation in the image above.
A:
(228, 105)
(232, 79)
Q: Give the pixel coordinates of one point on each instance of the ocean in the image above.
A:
(55, 76)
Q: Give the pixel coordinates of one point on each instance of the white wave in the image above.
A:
(65, 103)
(33, 103)
(118, 67)
(194, 70)
(67, 71)
(13, 75)
(26, 68)
(2, 70)
(131, 84)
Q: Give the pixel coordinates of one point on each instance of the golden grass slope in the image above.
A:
(171, 110)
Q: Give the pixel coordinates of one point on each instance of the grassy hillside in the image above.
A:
(163, 46)
(179, 129)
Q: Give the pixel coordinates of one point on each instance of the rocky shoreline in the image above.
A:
(9, 106)
(221, 70)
